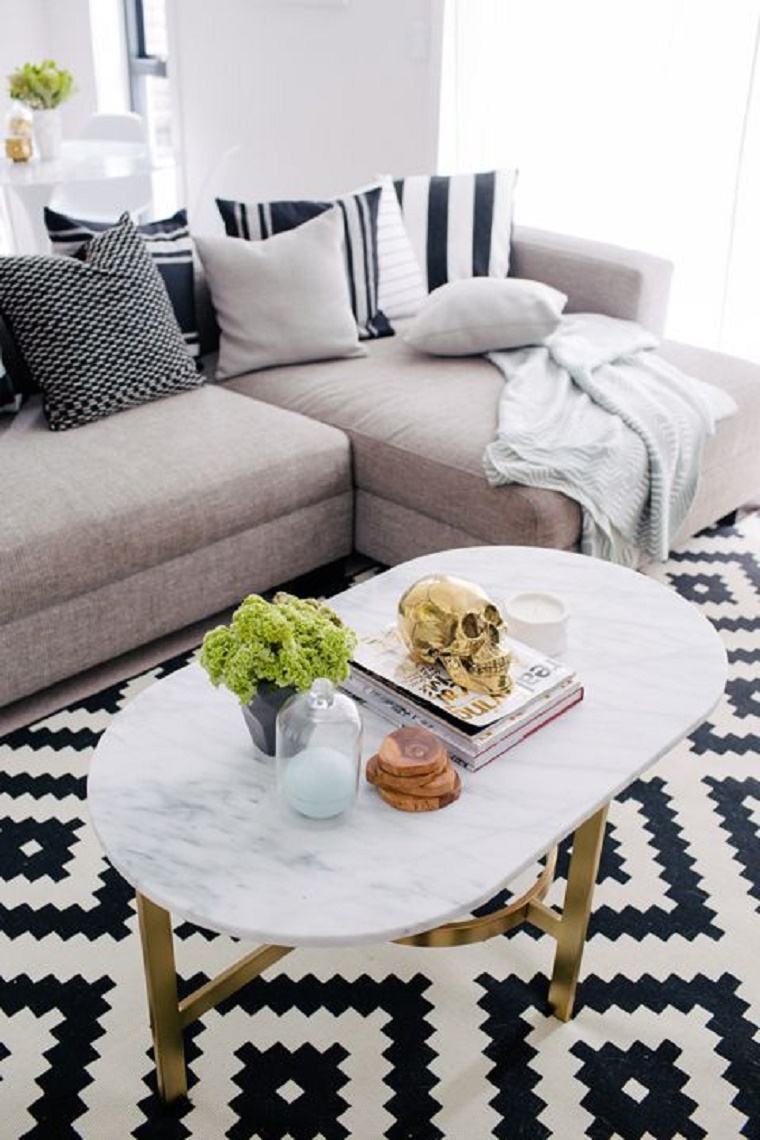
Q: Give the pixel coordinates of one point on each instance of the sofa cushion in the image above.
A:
(485, 314)
(97, 335)
(418, 426)
(112, 499)
(168, 242)
(281, 300)
(359, 210)
(460, 225)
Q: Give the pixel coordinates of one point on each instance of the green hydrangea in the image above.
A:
(288, 641)
(41, 85)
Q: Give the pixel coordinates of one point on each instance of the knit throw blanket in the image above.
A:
(594, 412)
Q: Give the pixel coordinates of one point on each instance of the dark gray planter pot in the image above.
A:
(260, 716)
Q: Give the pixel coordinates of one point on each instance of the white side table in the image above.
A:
(29, 185)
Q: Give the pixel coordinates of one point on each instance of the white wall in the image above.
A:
(41, 29)
(320, 97)
(23, 38)
(70, 45)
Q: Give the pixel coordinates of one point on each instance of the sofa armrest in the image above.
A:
(596, 277)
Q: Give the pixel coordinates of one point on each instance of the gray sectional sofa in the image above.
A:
(127, 529)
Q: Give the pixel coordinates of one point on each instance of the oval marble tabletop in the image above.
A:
(190, 817)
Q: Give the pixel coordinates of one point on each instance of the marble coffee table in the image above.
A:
(190, 818)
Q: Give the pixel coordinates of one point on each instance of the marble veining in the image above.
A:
(189, 816)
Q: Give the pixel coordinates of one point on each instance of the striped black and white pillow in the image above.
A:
(401, 290)
(260, 220)
(460, 225)
(169, 244)
(97, 333)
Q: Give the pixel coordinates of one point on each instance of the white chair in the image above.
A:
(106, 199)
(126, 127)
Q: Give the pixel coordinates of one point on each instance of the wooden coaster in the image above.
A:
(412, 751)
(421, 803)
(413, 772)
(434, 784)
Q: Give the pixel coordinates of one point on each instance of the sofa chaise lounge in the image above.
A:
(127, 529)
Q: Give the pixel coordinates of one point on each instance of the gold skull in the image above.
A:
(451, 622)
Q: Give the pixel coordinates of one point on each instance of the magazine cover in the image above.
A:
(534, 675)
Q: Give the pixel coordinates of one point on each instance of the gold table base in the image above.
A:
(168, 1016)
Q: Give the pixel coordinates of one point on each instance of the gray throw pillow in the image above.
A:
(486, 314)
(259, 221)
(96, 335)
(282, 300)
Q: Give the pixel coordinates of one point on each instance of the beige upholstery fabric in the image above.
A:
(597, 278)
(418, 427)
(391, 533)
(85, 508)
(730, 473)
(60, 640)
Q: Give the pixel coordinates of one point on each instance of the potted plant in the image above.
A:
(270, 650)
(43, 87)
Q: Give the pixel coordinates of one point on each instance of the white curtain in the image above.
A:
(631, 121)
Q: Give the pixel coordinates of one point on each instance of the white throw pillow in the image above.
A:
(485, 314)
(282, 300)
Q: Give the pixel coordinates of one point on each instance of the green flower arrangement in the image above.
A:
(288, 641)
(41, 85)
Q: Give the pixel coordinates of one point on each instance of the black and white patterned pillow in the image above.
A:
(261, 220)
(460, 225)
(169, 244)
(97, 335)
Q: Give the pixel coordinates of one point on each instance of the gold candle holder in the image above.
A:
(18, 148)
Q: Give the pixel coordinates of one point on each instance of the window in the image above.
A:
(634, 123)
(147, 45)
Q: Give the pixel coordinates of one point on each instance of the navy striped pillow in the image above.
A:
(15, 381)
(10, 399)
(460, 225)
(169, 244)
(258, 221)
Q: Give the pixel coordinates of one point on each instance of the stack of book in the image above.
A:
(475, 727)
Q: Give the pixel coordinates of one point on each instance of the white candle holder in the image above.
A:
(539, 619)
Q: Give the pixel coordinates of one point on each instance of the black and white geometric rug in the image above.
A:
(398, 1042)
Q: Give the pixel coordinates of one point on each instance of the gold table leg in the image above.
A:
(568, 927)
(168, 1017)
(571, 930)
(161, 983)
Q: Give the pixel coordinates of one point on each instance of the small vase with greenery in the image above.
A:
(43, 87)
(273, 649)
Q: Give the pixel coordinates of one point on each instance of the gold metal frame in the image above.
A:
(568, 926)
